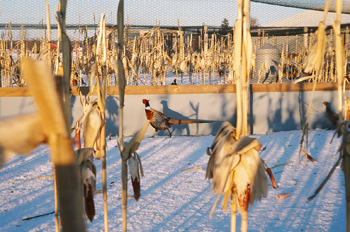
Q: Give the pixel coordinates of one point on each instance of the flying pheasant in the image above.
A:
(160, 121)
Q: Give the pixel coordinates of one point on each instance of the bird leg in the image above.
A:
(169, 132)
(243, 201)
(233, 213)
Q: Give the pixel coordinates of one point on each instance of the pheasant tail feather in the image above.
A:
(181, 122)
(89, 202)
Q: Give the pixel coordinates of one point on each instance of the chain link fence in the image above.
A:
(170, 41)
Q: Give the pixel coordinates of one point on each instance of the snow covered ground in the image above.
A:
(176, 197)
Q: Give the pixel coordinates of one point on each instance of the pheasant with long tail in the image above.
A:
(160, 121)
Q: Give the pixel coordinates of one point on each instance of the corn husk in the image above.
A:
(315, 59)
(20, 135)
(50, 105)
(273, 181)
(92, 123)
(135, 142)
(282, 196)
(234, 165)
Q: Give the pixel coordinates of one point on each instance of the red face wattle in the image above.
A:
(144, 101)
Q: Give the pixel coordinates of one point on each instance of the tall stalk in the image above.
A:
(48, 33)
(58, 49)
(121, 78)
(242, 62)
(58, 137)
(102, 93)
(246, 65)
(57, 222)
(237, 64)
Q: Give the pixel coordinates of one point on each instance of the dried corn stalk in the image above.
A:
(54, 126)
(236, 170)
(314, 60)
(20, 135)
(92, 123)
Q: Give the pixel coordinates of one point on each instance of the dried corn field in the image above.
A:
(158, 57)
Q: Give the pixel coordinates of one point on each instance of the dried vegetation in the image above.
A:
(152, 56)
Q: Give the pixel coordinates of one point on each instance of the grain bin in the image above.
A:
(269, 55)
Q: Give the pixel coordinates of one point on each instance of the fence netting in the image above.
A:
(188, 42)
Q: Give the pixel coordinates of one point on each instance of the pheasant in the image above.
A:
(174, 82)
(331, 117)
(160, 121)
